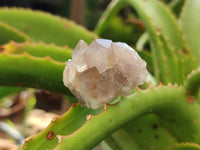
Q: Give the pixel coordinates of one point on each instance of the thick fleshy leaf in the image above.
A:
(149, 126)
(164, 45)
(190, 23)
(9, 33)
(172, 105)
(64, 125)
(186, 146)
(192, 84)
(28, 71)
(150, 101)
(45, 27)
(41, 50)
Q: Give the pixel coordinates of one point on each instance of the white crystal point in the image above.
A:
(104, 42)
(81, 45)
(124, 45)
(100, 72)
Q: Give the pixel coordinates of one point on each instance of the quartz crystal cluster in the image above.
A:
(100, 72)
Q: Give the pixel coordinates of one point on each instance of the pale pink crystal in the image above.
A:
(100, 72)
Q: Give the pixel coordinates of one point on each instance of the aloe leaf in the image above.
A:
(61, 54)
(68, 123)
(9, 33)
(158, 27)
(171, 62)
(45, 27)
(190, 23)
(192, 84)
(149, 126)
(33, 65)
(186, 146)
(29, 71)
(164, 22)
(151, 101)
(158, 50)
(172, 104)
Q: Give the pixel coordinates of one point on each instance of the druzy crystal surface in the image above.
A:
(103, 70)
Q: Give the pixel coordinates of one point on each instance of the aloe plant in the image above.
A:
(164, 116)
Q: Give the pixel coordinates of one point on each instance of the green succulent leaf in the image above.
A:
(68, 123)
(97, 127)
(150, 101)
(29, 71)
(190, 23)
(192, 84)
(159, 20)
(40, 50)
(9, 33)
(45, 27)
(186, 146)
(149, 126)
(145, 132)
(166, 48)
